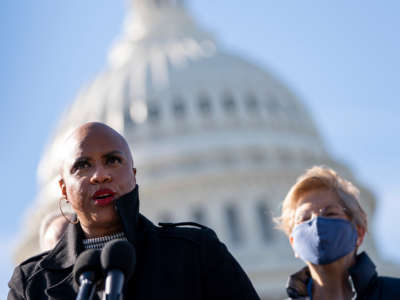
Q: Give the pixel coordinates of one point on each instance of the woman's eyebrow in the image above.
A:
(82, 158)
(111, 153)
(332, 206)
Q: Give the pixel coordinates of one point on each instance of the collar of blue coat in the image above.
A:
(362, 274)
(64, 254)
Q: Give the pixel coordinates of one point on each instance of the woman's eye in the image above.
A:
(302, 219)
(331, 214)
(113, 160)
(81, 165)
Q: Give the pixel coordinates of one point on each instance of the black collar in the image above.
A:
(64, 254)
(362, 274)
(127, 208)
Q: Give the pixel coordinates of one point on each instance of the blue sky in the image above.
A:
(340, 57)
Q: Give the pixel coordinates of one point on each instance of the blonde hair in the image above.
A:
(321, 177)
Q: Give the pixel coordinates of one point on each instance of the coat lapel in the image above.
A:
(59, 262)
(62, 289)
(66, 251)
(127, 207)
(362, 273)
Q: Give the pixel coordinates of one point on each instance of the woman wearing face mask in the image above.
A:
(326, 224)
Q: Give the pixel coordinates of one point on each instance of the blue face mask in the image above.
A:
(322, 240)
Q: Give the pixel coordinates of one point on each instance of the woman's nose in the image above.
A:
(100, 175)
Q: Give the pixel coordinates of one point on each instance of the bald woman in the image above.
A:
(98, 180)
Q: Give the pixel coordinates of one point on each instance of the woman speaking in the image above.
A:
(98, 180)
(326, 224)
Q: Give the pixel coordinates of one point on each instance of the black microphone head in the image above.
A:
(88, 261)
(119, 254)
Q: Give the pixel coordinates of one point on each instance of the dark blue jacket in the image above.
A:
(172, 263)
(368, 285)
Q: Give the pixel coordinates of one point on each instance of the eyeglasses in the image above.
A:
(331, 211)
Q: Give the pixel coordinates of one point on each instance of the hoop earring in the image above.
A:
(69, 220)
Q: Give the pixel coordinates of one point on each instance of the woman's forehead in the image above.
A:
(83, 146)
(97, 141)
(318, 199)
(100, 143)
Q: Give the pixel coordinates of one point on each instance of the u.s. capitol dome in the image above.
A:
(216, 139)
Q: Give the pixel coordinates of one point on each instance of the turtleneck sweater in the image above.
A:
(99, 242)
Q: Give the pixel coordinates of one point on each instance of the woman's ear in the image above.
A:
(360, 235)
(63, 188)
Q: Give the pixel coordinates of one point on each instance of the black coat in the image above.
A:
(172, 263)
(367, 284)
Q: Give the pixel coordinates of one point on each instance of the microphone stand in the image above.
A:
(87, 288)
(114, 284)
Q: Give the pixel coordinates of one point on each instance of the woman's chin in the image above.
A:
(106, 219)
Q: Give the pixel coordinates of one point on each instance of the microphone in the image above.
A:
(87, 270)
(118, 260)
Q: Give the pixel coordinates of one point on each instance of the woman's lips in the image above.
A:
(103, 197)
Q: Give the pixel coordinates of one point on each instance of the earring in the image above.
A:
(60, 207)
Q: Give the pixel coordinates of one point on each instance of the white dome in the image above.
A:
(181, 85)
(214, 137)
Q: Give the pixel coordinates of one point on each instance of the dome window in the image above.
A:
(204, 105)
(229, 103)
(233, 223)
(264, 221)
(153, 113)
(251, 103)
(158, 3)
(178, 108)
(199, 215)
(273, 105)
